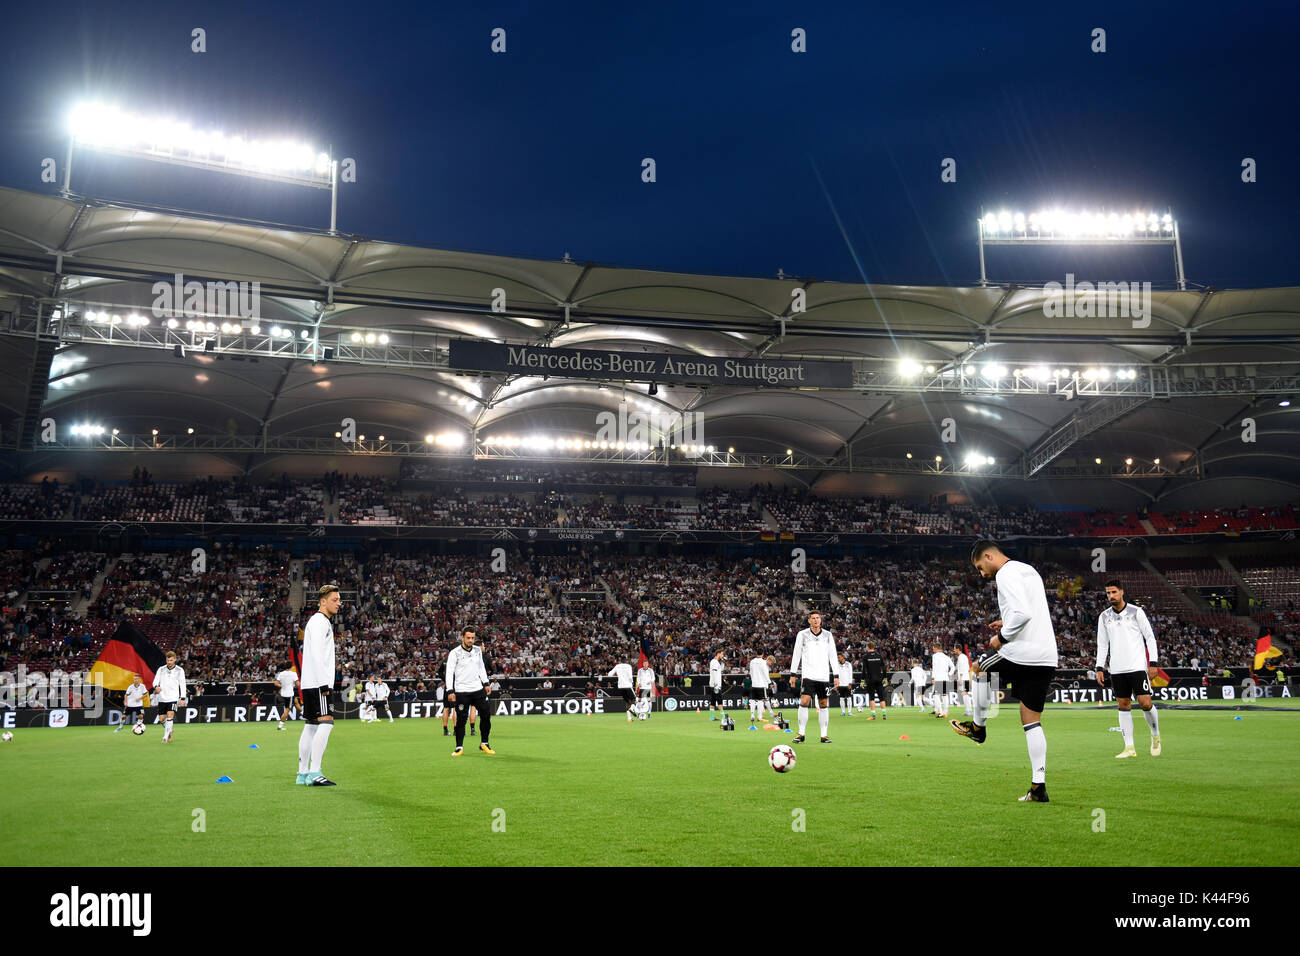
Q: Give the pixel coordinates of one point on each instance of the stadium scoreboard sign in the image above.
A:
(648, 366)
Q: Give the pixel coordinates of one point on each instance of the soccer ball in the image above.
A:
(6, 736)
(138, 728)
(781, 758)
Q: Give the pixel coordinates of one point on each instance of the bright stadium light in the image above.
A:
(1085, 227)
(108, 128)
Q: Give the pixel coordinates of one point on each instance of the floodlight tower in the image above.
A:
(108, 129)
(1056, 227)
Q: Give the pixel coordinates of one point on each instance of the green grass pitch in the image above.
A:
(674, 790)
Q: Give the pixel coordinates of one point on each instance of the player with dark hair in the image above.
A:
(1023, 654)
(467, 686)
(1124, 633)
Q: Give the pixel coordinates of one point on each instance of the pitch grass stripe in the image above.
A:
(674, 790)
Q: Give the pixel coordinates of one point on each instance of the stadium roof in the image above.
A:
(1239, 349)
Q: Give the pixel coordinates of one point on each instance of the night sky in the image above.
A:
(538, 151)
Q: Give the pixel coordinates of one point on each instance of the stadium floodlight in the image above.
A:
(907, 368)
(1059, 227)
(107, 128)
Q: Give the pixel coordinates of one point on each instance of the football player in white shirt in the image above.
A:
(941, 670)
(963, 677)
(1023, 654)
(645, 688)
(1124, 633)
(624, 674)
(170, 684)
(133, 703)
(379, 696)
(760, 680)
(286, 680)
(468, 688)
(918, 685)
(317, 685)
(814, 659)
(715, 684)
(846, 687)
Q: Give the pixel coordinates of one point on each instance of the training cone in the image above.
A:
(904, 737)
(252, 747)
(1236, 718)
(224, 780)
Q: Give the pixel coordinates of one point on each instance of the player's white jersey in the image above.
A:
(759, 676)
(439, 694)
(715, 674)
(918, 674)
(170, 683)
(815, 654)
(380, 692)
(135, 696)
(963, 666)
(1027, 635)
(465, 670)
(624, 674)
(318, 652)
(369, 694)
(287, 679)
(941, 667)
(846, 674)
(645, 678)
(1126, 638)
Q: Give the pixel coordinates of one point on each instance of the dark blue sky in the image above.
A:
(538, 151)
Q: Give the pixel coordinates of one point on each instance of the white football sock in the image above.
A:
(304, 746)
(980, 702)
(1152, 720)
(824, 718)
(803, 719)
(1037, 744)
(318, 745)
(167, 728)
(1126, 726)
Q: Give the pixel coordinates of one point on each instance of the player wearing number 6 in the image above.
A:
(1124, 634)
(815, 660)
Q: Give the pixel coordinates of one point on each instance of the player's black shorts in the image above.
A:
(758, 693)
(132, 714)
(714, 696)
(316, 704)
(845, 693)
(166, 706)
(814, 688)
(1029, 683)
(627, 693)
(1130, 685)
(472, 698)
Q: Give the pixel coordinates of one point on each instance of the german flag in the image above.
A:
(1264, 649)
(127, 652)
(1161, 679)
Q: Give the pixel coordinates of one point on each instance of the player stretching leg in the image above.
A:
(1023, 654)
(814, 659)
(1124, 631)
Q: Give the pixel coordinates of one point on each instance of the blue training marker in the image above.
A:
(1236, 718)
(252, 746)
(224, 780)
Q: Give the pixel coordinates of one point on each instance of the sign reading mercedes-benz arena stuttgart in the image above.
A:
(648, 366)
